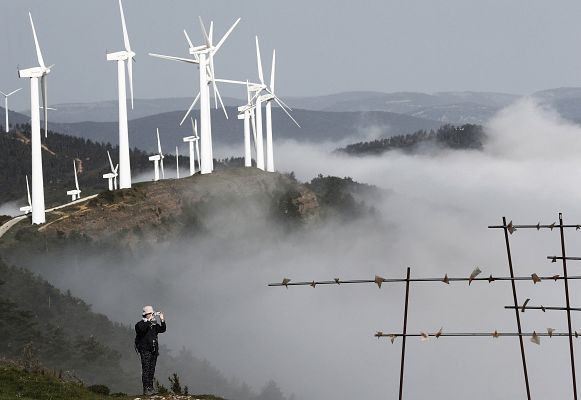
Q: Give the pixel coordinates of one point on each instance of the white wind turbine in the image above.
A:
(6, 95)
(268, 98)
(204, 57)
(193, 142)
(36, 73)
(28, 208)
(121, 57)
(258, 99)
(75, 193)
(158, 160)
(177, 163)
(111, 176)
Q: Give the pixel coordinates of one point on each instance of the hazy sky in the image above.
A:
(323, 46)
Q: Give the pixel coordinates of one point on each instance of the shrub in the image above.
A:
(99, 389)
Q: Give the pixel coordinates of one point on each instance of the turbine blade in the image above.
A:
(190, 109)
(130, 73)
(256, 95)
(188, 39)
(172, 58)
(221, 102)
(287, 113)
(76, 179)
(211, 32)
(158, 142)
(248, 92)
(110, 161)
(204, 33)
(231, 81)
(115, 170)
(124, 26)
(3, 94)
(259, 61)
(213, 79)
(272, 70)
(38, 52)
(282, 102)
(45, 103)
(196, 128)
(28, 192)
(221, 42)
(11, 93)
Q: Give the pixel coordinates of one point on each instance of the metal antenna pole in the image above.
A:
(405, 325)
(520, 338)
(564, 258)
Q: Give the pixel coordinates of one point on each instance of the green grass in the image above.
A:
(16, 383)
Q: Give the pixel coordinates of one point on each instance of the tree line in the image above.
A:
(464, 137)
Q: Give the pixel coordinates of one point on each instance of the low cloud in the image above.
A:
(11, 208)
(318, 343)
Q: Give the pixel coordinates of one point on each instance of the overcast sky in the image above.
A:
(323, 46)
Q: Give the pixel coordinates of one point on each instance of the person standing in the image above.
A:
(147, 346)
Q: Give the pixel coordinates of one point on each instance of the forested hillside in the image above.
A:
(465, 137)
(58, 154)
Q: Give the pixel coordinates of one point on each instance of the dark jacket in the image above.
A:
(146, 335)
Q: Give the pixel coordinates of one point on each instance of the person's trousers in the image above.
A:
(148, 360)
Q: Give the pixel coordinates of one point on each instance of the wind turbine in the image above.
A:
(76, 193)
(28, 208)
(121, 57)
(204, 57)
(177, 163)
(38, 209)
(268, 98)
(193, 141)
(158, 160)
(111, 176)
(258, 99)
(6, 105)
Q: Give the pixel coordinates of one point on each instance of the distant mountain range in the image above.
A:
(443, 107)
(339, 117)
(316, 126)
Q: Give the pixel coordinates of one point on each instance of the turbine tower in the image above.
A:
(204, 57)
(121, 57)
(28, 208)
(177, 163)
(38, 209)
(158, 160)
(111, 176)
(6, 105)
(193, 142)
(246, 113)
(76, 193)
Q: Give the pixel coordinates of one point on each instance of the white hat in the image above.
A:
(147, 310)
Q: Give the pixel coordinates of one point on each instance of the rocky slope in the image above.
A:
(221, 203)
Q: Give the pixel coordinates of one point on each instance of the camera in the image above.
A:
(157, 313)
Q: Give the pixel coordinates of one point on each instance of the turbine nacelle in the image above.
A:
(36, 72)
(267, 97)
(121, 56)
(75, 194)
(200, 49)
